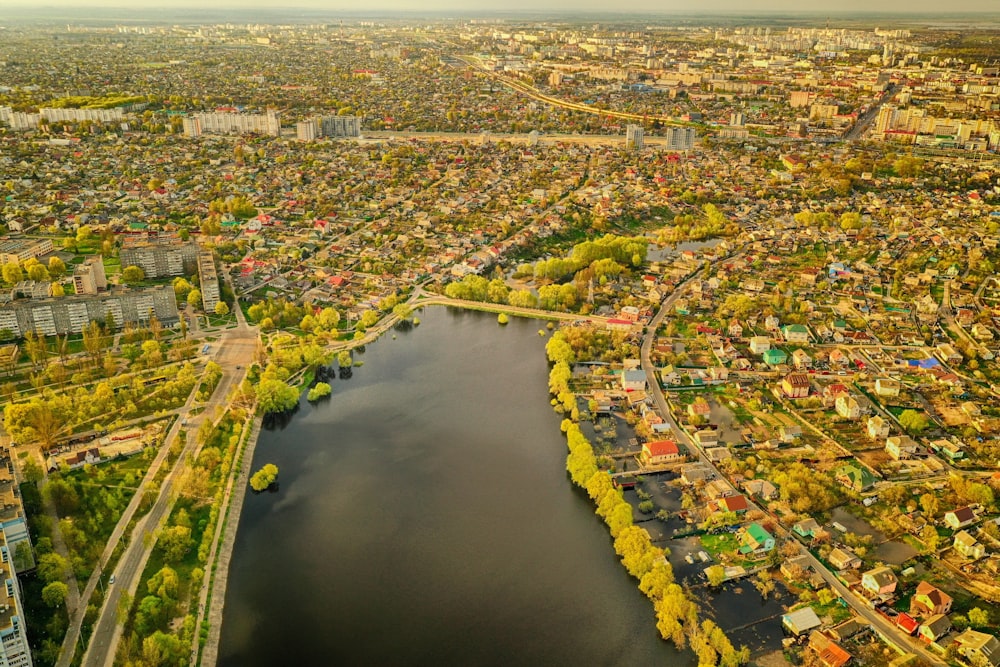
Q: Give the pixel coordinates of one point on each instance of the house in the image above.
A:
(982, 332)
(737, 503)
(795, 567)
(795, 385)
(828, 652)
(700, 408)
(660, 452)
(980, 649)
(880, 581)
(800, 359)
(934, 628)
(800, 621)
(774, 357)
(901, 447)
(707, 437)
(907, 623)
(878, 428)
(968, 546)
(950, 450)
(634, 380)
(761, 488)
(947, 353)
(848, 407)
(735, 329)
(696, 472)
(838, 357)
(807, 528)
(795, 333)
(669, 375)
(760, 344)
(771, 323)
(959, 518)
(928, 600)
(886, 387)
(855, 477)
(842, 558)
(790, 432)
(755, 540)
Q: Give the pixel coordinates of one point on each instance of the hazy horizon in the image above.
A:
(901, 8)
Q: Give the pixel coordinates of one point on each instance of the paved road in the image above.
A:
(876, 620)
(235, 352)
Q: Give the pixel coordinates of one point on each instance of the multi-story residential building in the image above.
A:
(340, 126)
(307, 130)
(21, 250)
(680, 138)
(634, 137)
(209, 281)
(226, 122)
(71, 314)
(89, 277)
(160, 258)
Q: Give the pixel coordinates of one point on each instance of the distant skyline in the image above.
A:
(735, 7)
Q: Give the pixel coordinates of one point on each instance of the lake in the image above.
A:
(424, 517)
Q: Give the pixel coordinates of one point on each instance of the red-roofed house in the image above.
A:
(659, 452)
(737, 503)
(907, 623)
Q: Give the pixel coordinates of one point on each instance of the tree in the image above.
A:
(276, 396)
(31, 471)
(264, 477)
(54, 594)
(764, 583)
(913, 421)
(194, 298)
(221, 308)
(133, 275)
(57, 268)
(978, 618)
(37, 271)
(319, 391)
(162, 650)
(175, 542)
(164, 584)
(12, 273)
(716, 575)
(52, 567)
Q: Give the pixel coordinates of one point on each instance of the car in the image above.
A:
(111, 580)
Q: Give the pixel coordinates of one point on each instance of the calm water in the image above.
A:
(424, 518)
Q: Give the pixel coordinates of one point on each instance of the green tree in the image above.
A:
(320, 390)
(162, 649)
(133, 275)
(164, 584)
(264, 477)
(913, 421)
(175, 542)
(978, 618)
(54, 594)
(275, 396)
(31, 471)
(52, 567)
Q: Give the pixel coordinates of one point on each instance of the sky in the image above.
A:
(737, 7)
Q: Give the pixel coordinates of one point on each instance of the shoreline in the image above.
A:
(210, 611)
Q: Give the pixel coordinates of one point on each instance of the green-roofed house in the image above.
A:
(137, 226)
(855, 477)
(774, 357)
(795, 333)
(755, 540)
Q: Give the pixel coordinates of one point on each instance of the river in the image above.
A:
(424, 518)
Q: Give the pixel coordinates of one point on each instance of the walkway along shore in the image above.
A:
(213, 593)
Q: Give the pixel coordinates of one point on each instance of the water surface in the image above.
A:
(424, 517)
